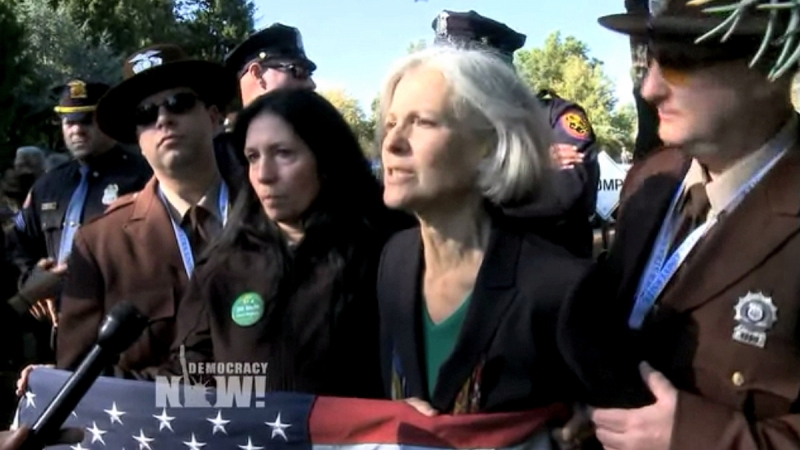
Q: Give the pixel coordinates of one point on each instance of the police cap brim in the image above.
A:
(678, 27)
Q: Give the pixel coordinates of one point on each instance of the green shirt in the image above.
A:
(440, 339)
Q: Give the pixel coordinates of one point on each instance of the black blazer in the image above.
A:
(506, 357)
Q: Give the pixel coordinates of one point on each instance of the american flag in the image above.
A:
(131, 415)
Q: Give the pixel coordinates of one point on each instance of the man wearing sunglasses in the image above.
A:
(69, 195)
(686, 334)
(144, 248)
(272, 58)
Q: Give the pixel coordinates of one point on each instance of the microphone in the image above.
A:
(120, 329)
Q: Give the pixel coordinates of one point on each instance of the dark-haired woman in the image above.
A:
(291, 282)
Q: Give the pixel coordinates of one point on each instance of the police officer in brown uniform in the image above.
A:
(687, 333)
(144, 247)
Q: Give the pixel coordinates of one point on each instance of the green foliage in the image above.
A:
(46, 42)
(205, 28)
(212, 28)
(565, 67)
(363, 127)
(15, 69)
(130, 24)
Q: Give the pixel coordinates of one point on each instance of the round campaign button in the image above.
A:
(247, 309)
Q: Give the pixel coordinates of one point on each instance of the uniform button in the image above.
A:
(737, 379)
(96, 174)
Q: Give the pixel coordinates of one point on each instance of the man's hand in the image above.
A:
(565, 156)
(422, 406)
(648, 428)
(44, 282)
(22, 381)
(13, 440)
(45, 311)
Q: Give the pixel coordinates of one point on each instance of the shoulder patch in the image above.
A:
(575, 124)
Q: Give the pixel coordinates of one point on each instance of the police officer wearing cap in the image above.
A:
(73, 192)
(687, 334)
(270, 59)
(565, 216)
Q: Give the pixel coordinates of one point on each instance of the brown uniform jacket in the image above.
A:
(731, 395)
(130, 253)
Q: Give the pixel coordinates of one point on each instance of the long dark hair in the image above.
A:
(349, 202)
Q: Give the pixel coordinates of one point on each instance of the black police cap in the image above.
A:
(277, 42)
(474, 30)
(77, 99)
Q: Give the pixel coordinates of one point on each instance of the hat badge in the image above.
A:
(145, 60)
(441, 23)
(77, 89)
(657, 7)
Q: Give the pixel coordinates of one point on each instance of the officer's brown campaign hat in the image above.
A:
(277, 42)
(685, 19)
(155, 69)
(77, 99)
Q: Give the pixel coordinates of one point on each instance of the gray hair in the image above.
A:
(489, 98)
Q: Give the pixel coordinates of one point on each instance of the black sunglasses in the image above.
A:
(175, 104)
(296, 70)
(688, 56)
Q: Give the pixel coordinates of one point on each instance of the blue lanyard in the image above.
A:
(180, 235)
(660, 269)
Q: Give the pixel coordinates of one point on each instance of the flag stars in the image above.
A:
(193, 444)
(250, 445)
(278, 428)
(97, 433)
(114, 413)
(78, 446)
(144, 441)
(164, 420)
(219, 423)
(29, 396)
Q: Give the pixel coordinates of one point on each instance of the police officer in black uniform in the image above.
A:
(565, 217)
(269, 59)
(73, 192)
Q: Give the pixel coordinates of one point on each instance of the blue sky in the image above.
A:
(353, 42)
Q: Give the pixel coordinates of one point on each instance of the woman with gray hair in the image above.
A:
(469, 298)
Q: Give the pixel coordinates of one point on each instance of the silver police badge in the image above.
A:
(755, 314)
(110, 194)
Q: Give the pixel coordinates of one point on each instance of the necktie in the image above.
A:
(72, 219)
(198, 235)
(693, 214)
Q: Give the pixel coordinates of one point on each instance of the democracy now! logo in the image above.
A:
(237, 385)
